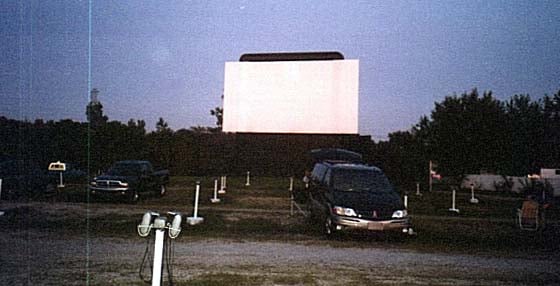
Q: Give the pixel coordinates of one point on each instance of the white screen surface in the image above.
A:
(291, 97)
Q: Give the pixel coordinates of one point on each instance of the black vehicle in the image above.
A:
(346, 195)
(23, 178)
(130, 179)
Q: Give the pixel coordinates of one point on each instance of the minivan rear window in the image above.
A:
(351, 180)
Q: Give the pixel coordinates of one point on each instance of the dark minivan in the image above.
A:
(349, 195)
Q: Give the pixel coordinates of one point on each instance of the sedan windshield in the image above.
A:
(360, 180)
(124, 170)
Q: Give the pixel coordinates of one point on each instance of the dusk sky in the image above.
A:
(153, 59)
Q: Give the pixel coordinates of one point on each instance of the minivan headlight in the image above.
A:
(400, 214)
(344, 211)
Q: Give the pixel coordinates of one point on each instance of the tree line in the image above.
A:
(464, 134)
(473, 133)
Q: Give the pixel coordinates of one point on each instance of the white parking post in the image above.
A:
(405, 201)
(215, 198)
(291, 184)
(418, 189)
(473, 200)
(195, 219)
(248, 181)
(222, 186)
(453, 209)
(61, 184)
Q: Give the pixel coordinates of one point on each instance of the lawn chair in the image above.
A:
(528, 216)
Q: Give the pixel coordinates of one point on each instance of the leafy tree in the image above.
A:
(551, 140)
(526, 127)
(218, 112)
(469, 133)
(162, 126)
(161, 143)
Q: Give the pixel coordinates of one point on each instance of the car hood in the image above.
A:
(128, 179)
(367, 200)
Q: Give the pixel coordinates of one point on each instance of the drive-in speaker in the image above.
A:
(175, 227)
(145, 226)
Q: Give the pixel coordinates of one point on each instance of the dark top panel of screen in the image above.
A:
(275, 57)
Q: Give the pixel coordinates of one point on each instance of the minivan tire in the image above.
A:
(329, 227)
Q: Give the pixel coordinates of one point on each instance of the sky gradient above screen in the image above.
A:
(153, 59)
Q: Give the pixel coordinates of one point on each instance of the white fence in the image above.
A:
(496, 182)
(492, 182)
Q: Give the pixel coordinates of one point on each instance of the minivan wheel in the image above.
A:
(329, 227)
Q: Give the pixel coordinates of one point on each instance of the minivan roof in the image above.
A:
(336, 154)
(354, 166)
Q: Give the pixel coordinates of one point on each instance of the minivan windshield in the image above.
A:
(356, 180)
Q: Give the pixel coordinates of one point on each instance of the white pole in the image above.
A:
(215, 189)
(453, 209)
(215, 199)
(222, 185)
(405, 201)
(193, 220)
(473, 200)
(158, 257)
(418, 189)
(61, 185)
(196, 194)
(453, 199)
(248, 182)
(291, 184)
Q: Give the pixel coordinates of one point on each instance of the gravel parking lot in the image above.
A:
(42, 256)
(50, 259)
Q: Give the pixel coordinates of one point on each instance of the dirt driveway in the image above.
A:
(42, 256)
